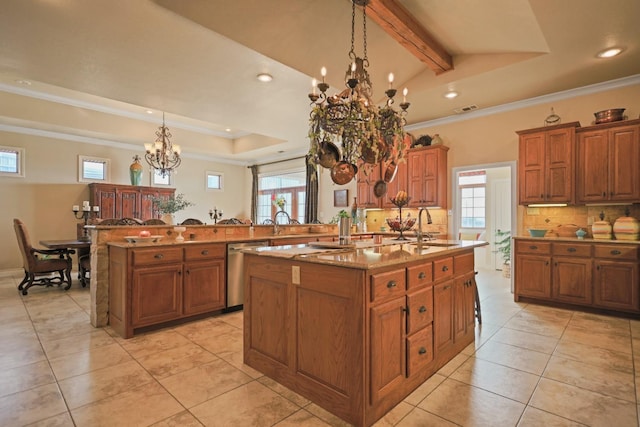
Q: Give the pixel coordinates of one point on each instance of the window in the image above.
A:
(92, 169)
(214, 181)
(472, 192)
(11, 161)
(291, 186)
(158, 179)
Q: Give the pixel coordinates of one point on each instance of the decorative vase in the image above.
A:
(135, 171)
(601, 229)
(436, 140)
(168, 218)
(626, 227)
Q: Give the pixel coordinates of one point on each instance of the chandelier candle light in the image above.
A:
(364, 131)
(162, 155)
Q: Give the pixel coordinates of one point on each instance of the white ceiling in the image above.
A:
(95, 67)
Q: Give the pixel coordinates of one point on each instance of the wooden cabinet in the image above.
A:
(152, 285)
(427, 176)
(546, 164)
(366, 180)
(581, 273)
(607, 163)
(399, 183)
(126, 201)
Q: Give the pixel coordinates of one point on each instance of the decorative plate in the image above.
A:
(138, 239)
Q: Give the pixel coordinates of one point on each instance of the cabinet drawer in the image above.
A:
(617, 252)
(193, 253)
(533, 247)
(419, 350)
(463, 263)
(442, 268)
(420, 306)
(388, 285)
(419, 275)
(571, 249)
(156, 256)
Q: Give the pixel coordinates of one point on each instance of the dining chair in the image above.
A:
(84, 266)
(154, 221)
(191, 221)
(39, 264)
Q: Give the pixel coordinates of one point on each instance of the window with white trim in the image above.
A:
(290, 186)
(93, 169)
(12, 161)
(158, 179)
(473, 202)
(214, 181)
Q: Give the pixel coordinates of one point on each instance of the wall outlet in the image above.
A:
(533, 211)
(295, 274)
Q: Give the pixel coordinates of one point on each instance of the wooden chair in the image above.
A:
(120, 221)
(191, 221)
(38, 264)
(84, 266)
(154, 221)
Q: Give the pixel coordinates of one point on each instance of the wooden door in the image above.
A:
(559, 167)
(156, 294)
(571, 281)
(531, 154)
(443, 316)
(533, 276)
(624, 159)
(388, 347)
(616, 285)
(593, 166)
(104, 196)
(129, 203)
(204, 286)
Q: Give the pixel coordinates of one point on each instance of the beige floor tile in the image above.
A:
(68, 346)
(175, 360)
(205, 328)
(64, 327)
(502, 380)
(530, 361)
(607, 341)
(533, 417)
(394, 416)
(221, 342)
(470, 406)
(601, 324)
(26, 353)
(183, 419)
(204, 382)
(18, 329)
(236, 359)
(284, 391)
(497, 315)
(96, 385)
(235, 319)
(25, 377)
(122, 409)
(453, 364)
(89, 360)
(260, 407)
(601, 357)
(32, 405)
(302, 418)
(326, 416)
(635, 328)
(540, 343)
(153, 342)
(583, 406)
(61, 420)
(424, 389)
(421, 418)
(537, 326)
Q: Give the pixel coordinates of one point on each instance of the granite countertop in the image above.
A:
(368, 255)
(576, 240)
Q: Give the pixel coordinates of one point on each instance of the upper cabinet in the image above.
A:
(427, 176)
(126, 201)
(366, 180)
(607, 163)
(546, 164)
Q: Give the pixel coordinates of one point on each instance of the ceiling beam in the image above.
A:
(393, 18)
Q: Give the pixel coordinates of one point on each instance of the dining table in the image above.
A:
(82, 246)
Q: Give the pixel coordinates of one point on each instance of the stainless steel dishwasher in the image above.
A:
(235, 272)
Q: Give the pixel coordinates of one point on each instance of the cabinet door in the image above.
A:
(366, 180)
(129, 203)
(533, 276)
(593, 166)
(399, 183)
(571, 281)
(156, 294)
(443, 316)
(420, 305)
(531, 154)
(105, 197)
(559, 167)
(470, 303)
(616, 285)
(415, 166)
(624, 159)
(204, 288)
(388, 349)
(459, 312)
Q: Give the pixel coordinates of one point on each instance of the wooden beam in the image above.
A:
(406, 30)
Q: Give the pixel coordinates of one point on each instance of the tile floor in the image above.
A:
(530, 366)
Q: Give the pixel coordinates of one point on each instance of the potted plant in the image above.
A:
(169, 206)
(503, 247)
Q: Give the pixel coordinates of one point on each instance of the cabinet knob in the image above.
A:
(445, 268)
(571, 249)
(391, 284)
(158, 256)
(447, 287)
(421, 275)
(422, 350)
(533, 247)
(542, 196)
(422, 309)
(615, 252)
(205, 252)
(604, 194)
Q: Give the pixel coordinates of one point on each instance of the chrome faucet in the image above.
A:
(429, 221)
(276, 229)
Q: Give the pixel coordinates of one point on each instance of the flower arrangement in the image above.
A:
(170, 205)
(279, 202)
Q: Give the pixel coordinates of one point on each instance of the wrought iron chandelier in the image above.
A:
(350, 119)
(162, 155)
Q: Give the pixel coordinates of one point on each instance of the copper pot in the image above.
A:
(343, 172)
(390, 171)
(610, 115)
(369, 155)
(380, 188)
(328, 154)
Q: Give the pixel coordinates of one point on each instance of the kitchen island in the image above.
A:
(356, 330)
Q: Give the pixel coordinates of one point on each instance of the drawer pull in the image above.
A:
(158, 256)
(571, 249)
(445, 268)
(615, 252)
(392, 284)
(205, 252)
(422, 275)
(533, 247)
(422, 309)
(422, 350)
(447, 287)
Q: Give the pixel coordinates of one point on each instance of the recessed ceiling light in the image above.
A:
(228, 129)
(609, 53)
(149, 112)
(264, 77)
(451, 94)
(23, 82)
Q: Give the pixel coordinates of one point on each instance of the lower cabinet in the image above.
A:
(616, 279)
(156, 284)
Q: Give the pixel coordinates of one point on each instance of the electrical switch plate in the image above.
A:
(295, 275)
(533, 211)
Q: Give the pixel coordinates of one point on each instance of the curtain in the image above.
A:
(311, 201)
(254, 193)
